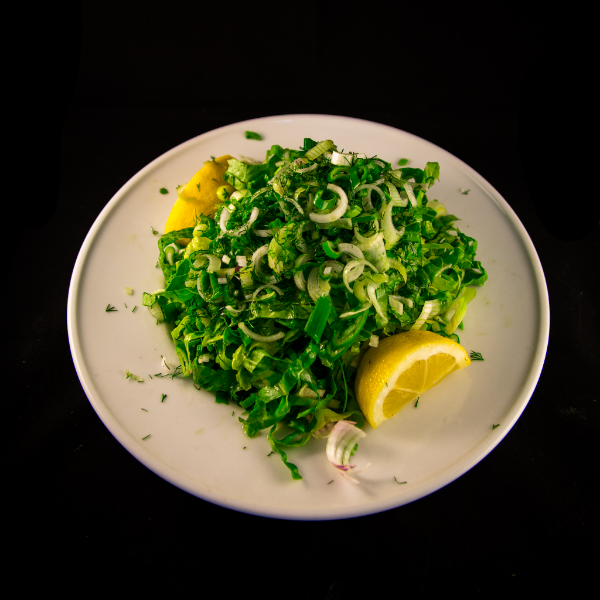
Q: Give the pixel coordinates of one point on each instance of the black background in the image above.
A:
(117, 84)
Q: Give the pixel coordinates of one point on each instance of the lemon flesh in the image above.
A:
(198, 196)
(401, 368)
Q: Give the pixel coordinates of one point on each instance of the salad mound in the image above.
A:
(315, 256)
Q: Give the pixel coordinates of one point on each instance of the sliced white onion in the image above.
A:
(263, 232)
(372, 295)
(269, 286)
(307, 169)
(350, 249)
(374, 341)
(222, 280)
(351, 313)
(253, 216)
(241, 261)
(352, 271)
(214, 262)
(257, 266)
(371, 186)
(374, 251)
(411, 195)
(430, 309)
(340, 444)
(390, 233)
(315, 286)
(407, 301)
(157, 312)
(279, 173)
(341, 159)
(236, 310)
(260, 338)
(396, 304)
(337, 212)
(299, 278)
(225, 214)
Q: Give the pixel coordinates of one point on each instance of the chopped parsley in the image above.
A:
(402, 162)
(251, 135)
(163, 191)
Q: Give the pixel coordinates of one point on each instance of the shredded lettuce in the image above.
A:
(328, 287)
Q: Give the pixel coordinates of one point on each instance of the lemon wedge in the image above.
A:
(198, 196)
(401, 368)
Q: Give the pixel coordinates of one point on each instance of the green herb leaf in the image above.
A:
(251, 135)
(110, 308)
(163, 191)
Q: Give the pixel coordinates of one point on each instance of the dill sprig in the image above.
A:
(476, 355)
(110, 308)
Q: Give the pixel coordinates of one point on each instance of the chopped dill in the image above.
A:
(399, 482)
(163, 397)
(494, 426)
(476, 355)
(145, 438)
(110, 308)
(154, 232)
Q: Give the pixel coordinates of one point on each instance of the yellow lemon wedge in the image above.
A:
(198, 196)
(401, 368)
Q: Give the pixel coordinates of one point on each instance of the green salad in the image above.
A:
(316, 255)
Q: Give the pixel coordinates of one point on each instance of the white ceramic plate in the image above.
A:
(200, 446)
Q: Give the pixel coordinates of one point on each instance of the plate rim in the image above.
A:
(459, 468)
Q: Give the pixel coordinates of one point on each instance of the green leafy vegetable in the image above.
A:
(251, 135)
(318, 253)
(163, 190)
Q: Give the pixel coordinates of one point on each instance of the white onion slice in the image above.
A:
(253, 216)
(256, 264)
(315, 287)
(340, 444)
(337, 212)
(411, 195)
(269, 286)
(214, 262)
(260, 338)
(351, 313)
(350, 249)
(225, 214)
(341, 159)
(371, 294)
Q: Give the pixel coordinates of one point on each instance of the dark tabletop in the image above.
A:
(128, 81)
